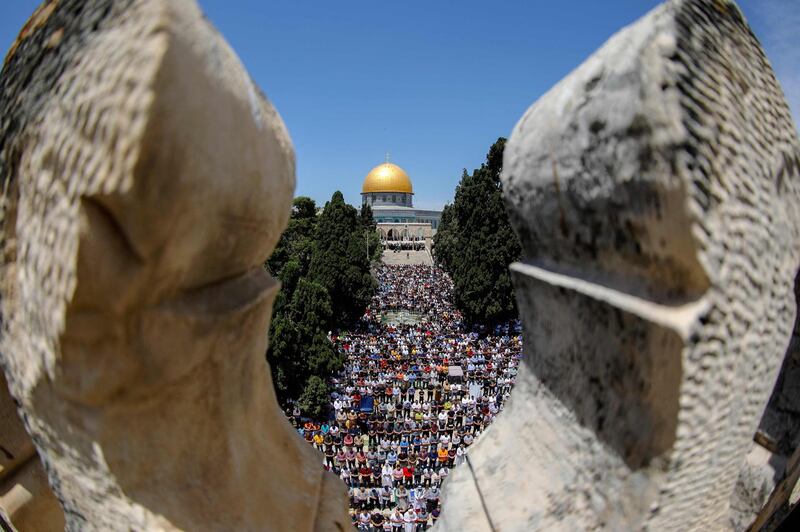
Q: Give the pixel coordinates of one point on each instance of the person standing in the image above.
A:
(420, 497)
(385, 497)
(409, 520)
(460, 456)
(362, 498)
(363, 520)
(422, 519)
(376, 520)
(397, 520)
(433, 498)
(401, 497)
(386, 476)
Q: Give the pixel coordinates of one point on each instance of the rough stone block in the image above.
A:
(655, 193)
(145, 181)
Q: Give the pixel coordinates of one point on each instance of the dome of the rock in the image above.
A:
(387, 177)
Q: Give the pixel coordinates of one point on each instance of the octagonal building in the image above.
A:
(387, 189)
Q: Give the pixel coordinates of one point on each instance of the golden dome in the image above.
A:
(387, 177)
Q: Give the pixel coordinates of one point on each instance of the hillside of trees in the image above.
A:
(323, 262)
(475, 244)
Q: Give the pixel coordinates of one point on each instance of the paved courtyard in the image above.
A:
(407, 257)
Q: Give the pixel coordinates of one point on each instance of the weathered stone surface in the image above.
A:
(778, 436)
(655, 192)
(145, 180)
(757, 478)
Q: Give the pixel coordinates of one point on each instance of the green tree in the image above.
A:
(445, 243)
(320, 259)
(284, 357)
(367, 220)
(340, 262)
(297, 241)
(314, 399)
(304, 208)
(373, 239)
(475, 244)
(299, 344)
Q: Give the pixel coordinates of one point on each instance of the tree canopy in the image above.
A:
(341, 260)
(475, 244)
(323, 264)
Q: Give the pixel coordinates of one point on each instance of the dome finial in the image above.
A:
(387, 157)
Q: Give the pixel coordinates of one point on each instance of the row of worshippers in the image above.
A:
(410, 400)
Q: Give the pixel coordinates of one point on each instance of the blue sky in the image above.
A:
(433, 83)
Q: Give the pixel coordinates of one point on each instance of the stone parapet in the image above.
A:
(146, 179)
(655, 193)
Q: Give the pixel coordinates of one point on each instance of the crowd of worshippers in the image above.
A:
(410, 400)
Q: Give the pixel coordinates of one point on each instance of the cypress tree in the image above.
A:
(340, 262)
(322, 263)
(475, 244)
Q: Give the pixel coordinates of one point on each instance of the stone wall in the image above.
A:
(146, 179)
(777, 437)
(655, 193)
